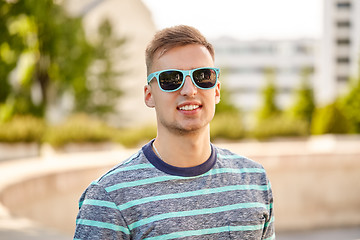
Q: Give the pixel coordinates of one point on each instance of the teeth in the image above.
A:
(189, 107)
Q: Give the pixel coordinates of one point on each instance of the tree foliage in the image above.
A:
(350, 104)
(102, 77)
(304, 103)
(45, 53)
(269, 107)
(225, 105)
(329, 120)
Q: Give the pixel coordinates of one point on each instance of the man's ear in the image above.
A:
(217, 92)
(148, 97)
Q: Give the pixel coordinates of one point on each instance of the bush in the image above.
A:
(304, 103)
(329, 119)
(269, 92)
(280, 126)
(22, 129)
(78, 129)
(226, 126)
(350, 106)
(135, 136)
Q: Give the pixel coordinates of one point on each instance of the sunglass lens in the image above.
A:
(205, 78)
(170, 80)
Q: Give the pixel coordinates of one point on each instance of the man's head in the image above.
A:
(172, 37)
(182, 84)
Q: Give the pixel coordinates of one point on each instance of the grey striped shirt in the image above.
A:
(227, 197)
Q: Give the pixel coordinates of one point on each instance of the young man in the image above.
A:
(179, 185)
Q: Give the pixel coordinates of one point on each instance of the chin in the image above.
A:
(189, 129)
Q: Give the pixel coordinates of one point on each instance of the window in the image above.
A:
(343, 60)
(303, 49)
(343, 24)
(342, 78)
(343, 41)
(343, 5)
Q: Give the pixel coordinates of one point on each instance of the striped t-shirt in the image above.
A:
(227, 197)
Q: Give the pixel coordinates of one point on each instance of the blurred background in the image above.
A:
(71, 103)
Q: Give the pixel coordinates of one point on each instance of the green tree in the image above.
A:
(44, 54)
(304, 105)
(225, 105)
(103, 78)
(329, 120)
(227, 122)
(271, 122)
(269, 107)
(45, 51)
(350, 104)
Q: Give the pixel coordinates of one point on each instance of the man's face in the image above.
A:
(189, 109)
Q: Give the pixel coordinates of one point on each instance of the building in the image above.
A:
(243, 65)
(334, 59)
(340, 49)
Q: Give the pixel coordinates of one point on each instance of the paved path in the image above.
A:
(23, 229)
(327, 234)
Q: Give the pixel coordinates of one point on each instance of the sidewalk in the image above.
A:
(32, 233)
(24, 229)
(328, 234)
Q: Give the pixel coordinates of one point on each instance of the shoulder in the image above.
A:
(227, 157)
(242, 166)
(125, 171)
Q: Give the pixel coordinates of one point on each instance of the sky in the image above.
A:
(242, 19)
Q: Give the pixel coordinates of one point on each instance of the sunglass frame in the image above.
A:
(185, 74)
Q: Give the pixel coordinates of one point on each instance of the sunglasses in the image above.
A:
(171, 80)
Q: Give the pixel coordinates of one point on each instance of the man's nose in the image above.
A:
(188, 89)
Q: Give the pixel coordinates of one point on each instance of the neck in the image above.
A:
(187, 150)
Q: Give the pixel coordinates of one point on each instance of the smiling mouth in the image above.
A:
(189, 107)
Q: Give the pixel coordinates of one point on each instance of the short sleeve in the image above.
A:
(99, 217)
(269, 229)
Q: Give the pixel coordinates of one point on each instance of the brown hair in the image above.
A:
(171, 37)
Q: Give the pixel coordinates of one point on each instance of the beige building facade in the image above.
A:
(340, 49)
(130, 19)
